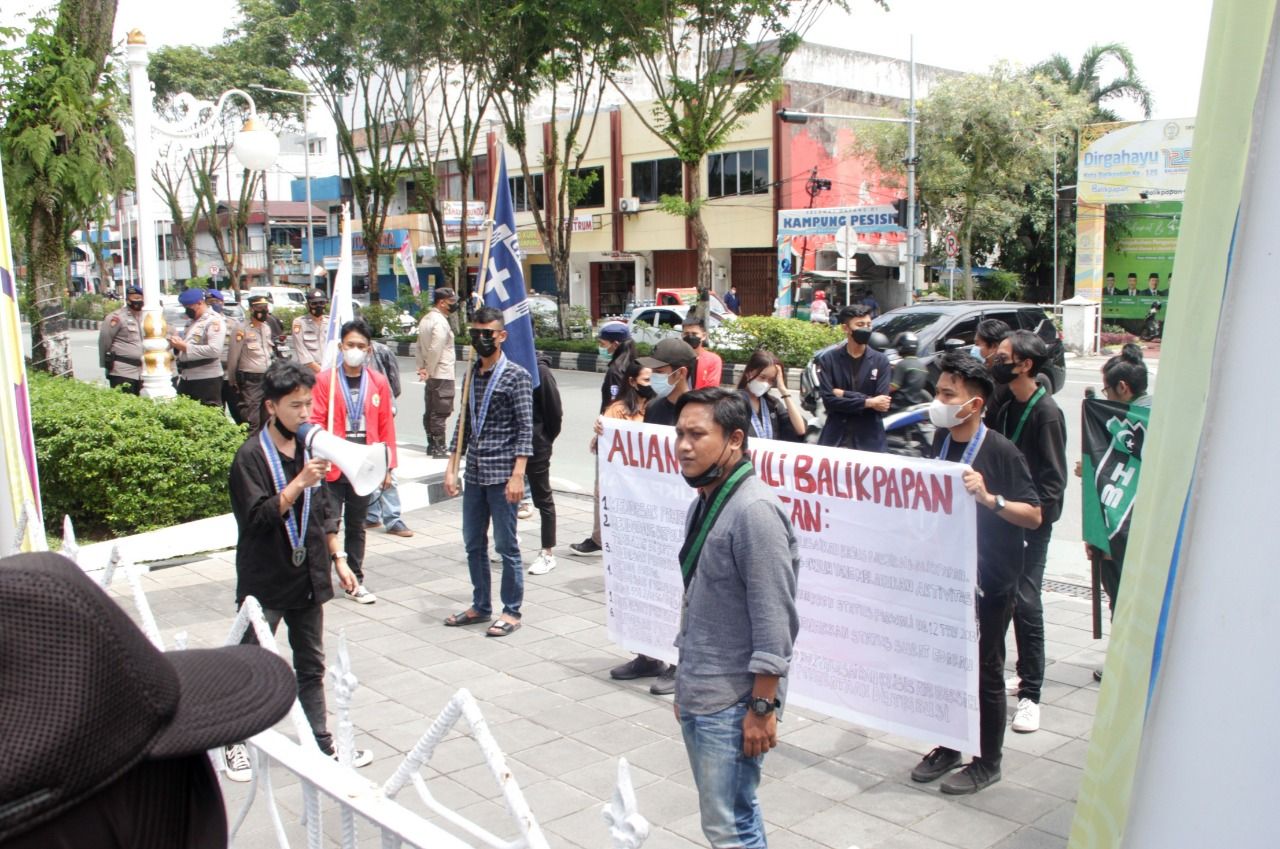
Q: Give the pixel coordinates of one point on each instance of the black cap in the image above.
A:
(676, 353)
(442, 293)
(317, 295)
(87, 697)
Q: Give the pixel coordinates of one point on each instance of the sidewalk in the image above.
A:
(562, 723)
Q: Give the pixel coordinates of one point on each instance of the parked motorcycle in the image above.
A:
(1153, 328)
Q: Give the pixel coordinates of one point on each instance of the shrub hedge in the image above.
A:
(794, 341)
(118, 464)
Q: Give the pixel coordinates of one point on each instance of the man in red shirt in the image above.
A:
(710, 366)
(361, 388)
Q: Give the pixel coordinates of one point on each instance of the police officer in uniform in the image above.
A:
(230, 397)
(199, 350)
(250, 355)
(308, 332)
(120, 343)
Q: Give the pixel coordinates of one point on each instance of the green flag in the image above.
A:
(1112, 436)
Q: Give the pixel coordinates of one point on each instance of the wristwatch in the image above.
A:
(761, 706)
(335, 556)
(1000, 502)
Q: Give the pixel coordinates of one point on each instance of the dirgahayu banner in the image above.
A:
(888, 570)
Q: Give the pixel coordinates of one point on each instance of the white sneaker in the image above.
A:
(525, 511)
(361, 595)
(359, 757)
(544, 564)
(1027, 717)
(1012, 685)
(236, 759)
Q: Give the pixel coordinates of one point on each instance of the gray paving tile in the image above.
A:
(841, 827)
(1031, 838)
(1058, 821)
(966, 827)
(1013, 801)
(784, 804)
(1049, 777)
(898, 803)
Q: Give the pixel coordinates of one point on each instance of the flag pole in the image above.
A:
(482, 282)
(333, 369)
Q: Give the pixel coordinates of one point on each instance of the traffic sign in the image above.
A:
(951, 263)
(953, 246)
(214, 271)
(846, 241)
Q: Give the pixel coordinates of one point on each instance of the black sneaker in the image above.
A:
(936, 764)
(638, 667)
(588, 547)
(977, 775)
(1097, 675)
(666, 683)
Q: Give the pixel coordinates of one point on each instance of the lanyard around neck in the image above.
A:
(478, 416)
(693, 546)
(971, 450)
(355, 404)
(1026, 414)
(762, 422)
(297, 535)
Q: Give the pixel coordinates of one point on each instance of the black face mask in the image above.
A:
(647, 392)
(710, 476)
(260, 315)
(1003, 373)
(284, 431)
(135, 305)
(453, 307)
(190, 312)
(216, 306)
(316, 309)
(861, 335)
(486, 346)
(692, 341)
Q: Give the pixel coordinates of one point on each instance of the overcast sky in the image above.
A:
(1167, 38)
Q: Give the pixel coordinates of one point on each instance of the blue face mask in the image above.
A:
(661, 384)
(976, 354)
(603, 353)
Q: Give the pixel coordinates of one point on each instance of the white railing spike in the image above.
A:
(344, 684)
(70, 548)
(627, 827)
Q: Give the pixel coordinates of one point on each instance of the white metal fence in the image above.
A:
(322, 780)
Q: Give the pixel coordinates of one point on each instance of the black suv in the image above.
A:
(938, 323)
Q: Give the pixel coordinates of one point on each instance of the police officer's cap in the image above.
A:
(255, 300)
(215, 294)
(191, 297)
(317, 295)
(133, 290)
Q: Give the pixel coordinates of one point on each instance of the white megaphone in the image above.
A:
(364, 465)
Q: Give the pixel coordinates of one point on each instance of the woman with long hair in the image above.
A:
(774, 411)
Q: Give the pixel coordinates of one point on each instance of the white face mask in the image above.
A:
(757, 387)
(353, 357)
(947, 415)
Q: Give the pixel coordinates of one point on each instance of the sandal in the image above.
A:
(466, 617)
(502, 628)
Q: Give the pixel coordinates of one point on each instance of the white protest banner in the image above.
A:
(888, 547)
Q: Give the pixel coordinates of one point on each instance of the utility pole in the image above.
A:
(912, 235)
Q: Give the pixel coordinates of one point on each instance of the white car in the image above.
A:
(649, 324)
(277, 296)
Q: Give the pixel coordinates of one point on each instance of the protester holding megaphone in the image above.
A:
(353, 402)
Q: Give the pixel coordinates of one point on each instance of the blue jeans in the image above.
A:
(725, 777)
(384, 505)
(480, 504)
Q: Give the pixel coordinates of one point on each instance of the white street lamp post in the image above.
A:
(306, 161)
(255, 146)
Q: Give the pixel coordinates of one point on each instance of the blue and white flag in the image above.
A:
(341, 309)
(503, 286)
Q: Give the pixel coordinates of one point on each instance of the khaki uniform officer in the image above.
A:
(250, 355)
(309, 332)
(199, 350)
(120, 343)
(230, 397)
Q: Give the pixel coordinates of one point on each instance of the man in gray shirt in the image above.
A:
(738, 624)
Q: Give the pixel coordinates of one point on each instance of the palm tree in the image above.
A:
(1086, 80)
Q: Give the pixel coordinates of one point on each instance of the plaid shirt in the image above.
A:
(508, 426)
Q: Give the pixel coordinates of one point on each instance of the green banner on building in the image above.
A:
(1137, 263)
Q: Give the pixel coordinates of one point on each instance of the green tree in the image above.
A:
(203, 167)
(64, 151)
(342, 50)
(710, 63)
(564, 49)
(981, 140)
(1085, 80)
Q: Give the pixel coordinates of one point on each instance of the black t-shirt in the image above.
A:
(660, 411)
(1043, 442)
(1004, 471)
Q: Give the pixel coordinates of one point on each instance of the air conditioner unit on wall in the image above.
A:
(629, 205)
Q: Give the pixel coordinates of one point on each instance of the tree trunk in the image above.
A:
(47, 255)
(966, 257)
(371, 251)
(266, 235)
(701, 241)
(189, 242)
